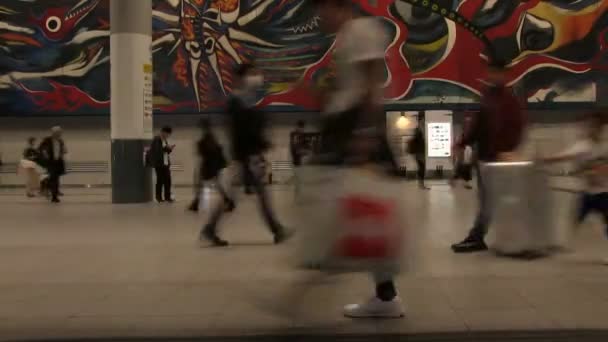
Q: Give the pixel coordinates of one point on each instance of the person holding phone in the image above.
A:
(160, 153)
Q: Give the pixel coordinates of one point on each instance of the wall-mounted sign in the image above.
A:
(148, 99)
(439, 139)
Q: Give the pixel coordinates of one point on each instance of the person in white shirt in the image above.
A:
(354, 117)
(591, 157)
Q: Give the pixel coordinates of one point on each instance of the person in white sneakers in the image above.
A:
(591, 156)
(354, 117)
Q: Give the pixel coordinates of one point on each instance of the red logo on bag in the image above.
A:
(370, 228)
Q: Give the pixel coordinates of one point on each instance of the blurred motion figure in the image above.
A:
(30, 167)
(297, 148)
(496, 132)
(211, 162)
(354, 120)
(417, 147)
(249, 142)
(591, 157)
(463, 159)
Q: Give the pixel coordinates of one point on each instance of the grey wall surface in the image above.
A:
(88, 139)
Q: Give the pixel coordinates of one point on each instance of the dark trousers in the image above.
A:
(263, 200)
(249, 178)
(163, 183)
(53, 183)
(421, 172)
(593, 203)
(484, 215)
(464, 172)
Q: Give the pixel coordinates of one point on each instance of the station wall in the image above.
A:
(88, 140)
(54, 55)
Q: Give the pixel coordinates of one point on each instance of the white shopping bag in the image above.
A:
(521, 208)
(350, 221)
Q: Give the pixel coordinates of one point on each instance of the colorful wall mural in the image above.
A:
(54, 56)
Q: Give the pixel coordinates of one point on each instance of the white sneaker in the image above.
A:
(375, 308)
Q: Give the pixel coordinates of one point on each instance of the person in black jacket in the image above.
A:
(212, 162)
(247, 126)
(52, 151)
(297, 145)
(417, 147)
(297, 148)
(160, 159)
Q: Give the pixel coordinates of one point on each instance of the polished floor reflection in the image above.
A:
(86, 268)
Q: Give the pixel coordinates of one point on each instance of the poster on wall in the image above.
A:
(148, 99)
(439, 139)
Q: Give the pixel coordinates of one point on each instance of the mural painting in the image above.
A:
(54, 56)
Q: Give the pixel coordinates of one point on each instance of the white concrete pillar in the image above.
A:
(131, 98)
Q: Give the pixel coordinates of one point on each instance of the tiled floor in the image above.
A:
(86, 268)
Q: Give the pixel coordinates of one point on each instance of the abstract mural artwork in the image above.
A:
(54, 55)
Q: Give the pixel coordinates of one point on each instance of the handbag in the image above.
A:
(353, 221)
(369, 228)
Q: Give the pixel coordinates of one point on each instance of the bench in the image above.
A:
(73, 167)
(8, 168)
(81, 167)
(177, 167)
(281, 167)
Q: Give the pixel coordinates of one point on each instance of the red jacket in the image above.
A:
(498, 127)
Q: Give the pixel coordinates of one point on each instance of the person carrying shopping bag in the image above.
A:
(353, 127)
(212, 162)
(29, 166)
(496, 132)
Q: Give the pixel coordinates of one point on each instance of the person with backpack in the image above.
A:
(496, 132)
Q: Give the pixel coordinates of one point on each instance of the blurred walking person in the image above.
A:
(417, 147)
(496, 132)
(160, 159)
(211, 163)
(463, 159)
(297, 148)
(53, 151)
(354, 118)
(30, 167)
(591, 157)
(249, 142)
